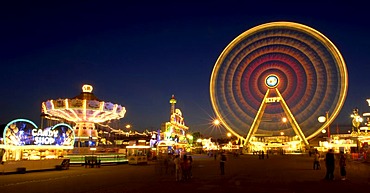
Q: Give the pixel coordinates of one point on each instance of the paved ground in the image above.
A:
(288, 173)
(279, 174)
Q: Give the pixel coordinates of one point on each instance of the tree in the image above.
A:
(197, 135)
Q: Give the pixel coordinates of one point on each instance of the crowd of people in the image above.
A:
(180, 166)
(330, 164)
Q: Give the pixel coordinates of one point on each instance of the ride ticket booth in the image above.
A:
(137, 154)
(26, 147)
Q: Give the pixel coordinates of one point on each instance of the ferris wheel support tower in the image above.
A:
(271, 82)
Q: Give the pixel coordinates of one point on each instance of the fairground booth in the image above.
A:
(24, 145)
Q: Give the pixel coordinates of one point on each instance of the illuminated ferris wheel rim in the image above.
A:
(331, 48)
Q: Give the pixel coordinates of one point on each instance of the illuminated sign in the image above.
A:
(87, 88)
(272, 99)
(46, 137)
(23, 132)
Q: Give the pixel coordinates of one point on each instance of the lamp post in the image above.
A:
(228, 135)
(284, 119)
(216, 122)
(323, 119)
(327, 118)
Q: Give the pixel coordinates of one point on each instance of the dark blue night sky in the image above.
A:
(139, 53)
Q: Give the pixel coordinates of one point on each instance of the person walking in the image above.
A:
(316, 160)
(178, 171)
(330, 165)
(166, 164)
(342, 165)
(185, 168)
(190, 166)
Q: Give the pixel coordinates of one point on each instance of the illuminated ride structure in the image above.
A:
(272, 82)
(85, 110)
(173, 133)
(355, 141)
(360, 130)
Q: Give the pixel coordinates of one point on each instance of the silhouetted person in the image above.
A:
(259, 154)
(178, 171)
(330, 165)
(185, 166)
(166, 164)
(342, 165)
(190, 166)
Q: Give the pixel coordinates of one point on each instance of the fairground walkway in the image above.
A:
(244, 174)
(278, 173)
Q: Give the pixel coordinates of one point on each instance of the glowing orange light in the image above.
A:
(216, 122)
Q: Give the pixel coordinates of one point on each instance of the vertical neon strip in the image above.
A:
(66, 103)
(257, 119)
(84, 109)
(101, 108)
(52, 105)
(291, 119)
(43, 106)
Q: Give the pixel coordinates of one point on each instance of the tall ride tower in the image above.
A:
(173, 103)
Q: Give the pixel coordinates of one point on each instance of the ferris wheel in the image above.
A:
(278, 70)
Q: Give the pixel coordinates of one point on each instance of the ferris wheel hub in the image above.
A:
(272, 81)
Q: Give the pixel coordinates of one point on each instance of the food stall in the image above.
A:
(137, 154)
(24, 147)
